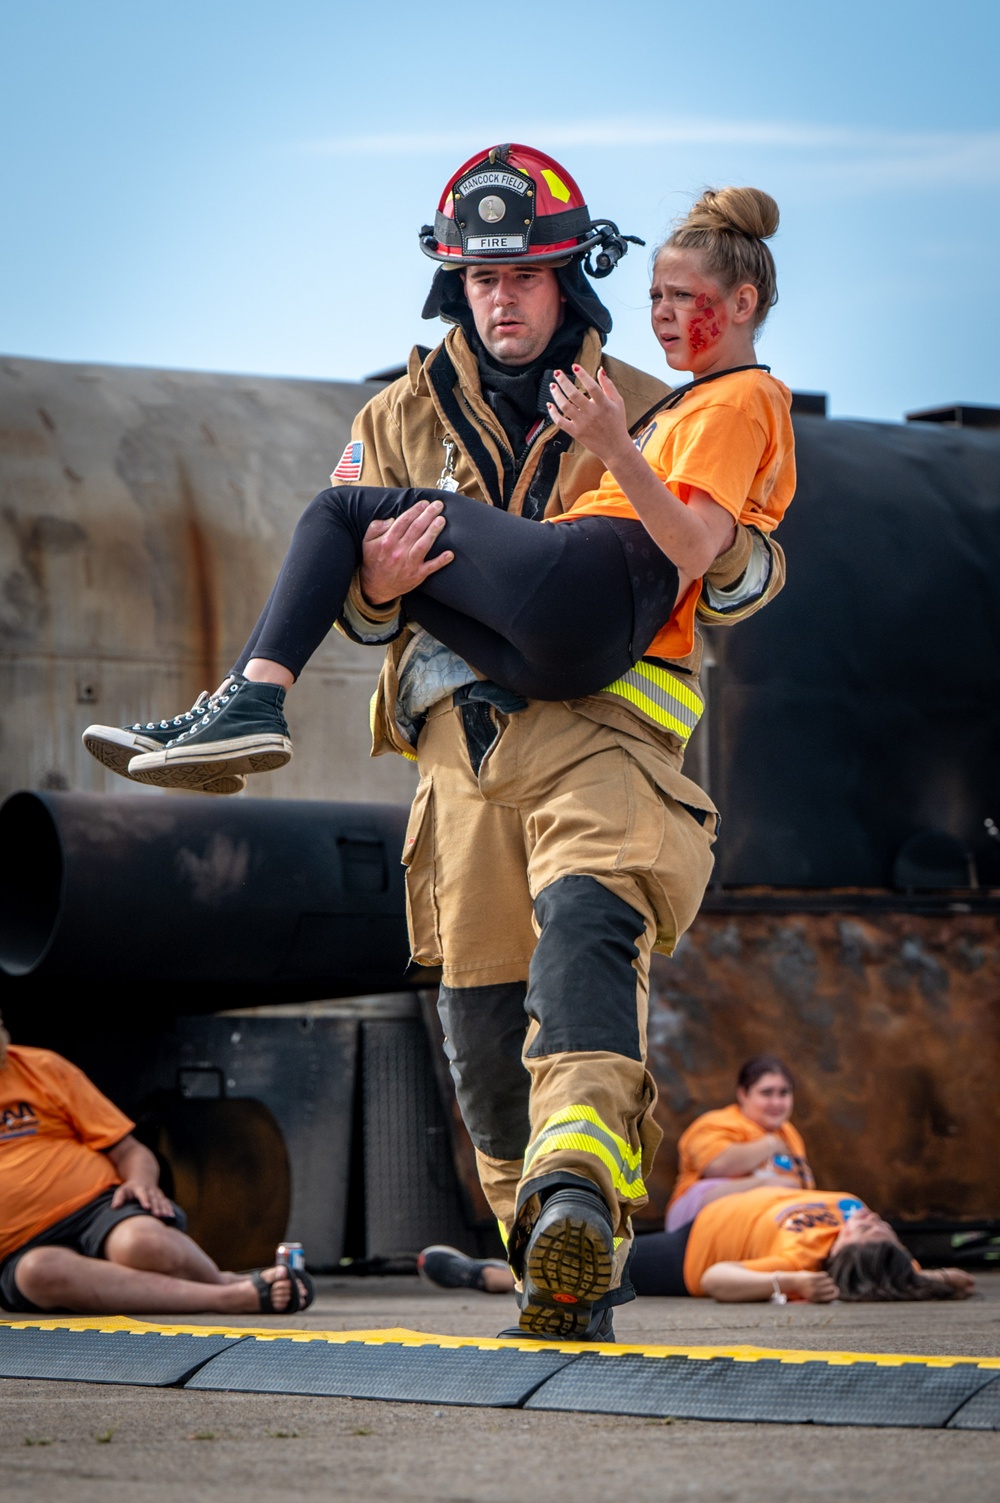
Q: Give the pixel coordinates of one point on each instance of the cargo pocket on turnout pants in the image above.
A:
(419, 859)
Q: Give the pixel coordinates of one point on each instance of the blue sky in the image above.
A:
(238, 186)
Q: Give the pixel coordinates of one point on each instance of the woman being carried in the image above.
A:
(545, 612)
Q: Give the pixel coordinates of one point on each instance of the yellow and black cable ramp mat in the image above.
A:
(708, 1383)
(107, 1349)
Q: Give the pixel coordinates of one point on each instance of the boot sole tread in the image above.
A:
(568, 1257)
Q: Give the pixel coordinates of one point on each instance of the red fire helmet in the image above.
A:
(512, 203)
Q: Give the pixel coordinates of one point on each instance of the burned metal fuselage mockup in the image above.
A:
(851, 741)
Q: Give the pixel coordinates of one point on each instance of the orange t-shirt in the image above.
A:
(712, 1132)
(769, 1230)
(731, 437)
(53, 1126)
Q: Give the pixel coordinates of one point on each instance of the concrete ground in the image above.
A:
(89, 1444)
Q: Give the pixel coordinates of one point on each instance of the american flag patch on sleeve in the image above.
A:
(349, 464)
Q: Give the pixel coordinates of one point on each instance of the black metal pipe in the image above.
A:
(204, 898)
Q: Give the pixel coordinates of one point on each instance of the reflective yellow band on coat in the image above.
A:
(662, 696)
(578, 1129)
(372, 708)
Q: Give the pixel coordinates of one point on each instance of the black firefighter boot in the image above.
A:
(567, 1268)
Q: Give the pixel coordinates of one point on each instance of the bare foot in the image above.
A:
(498, 1280)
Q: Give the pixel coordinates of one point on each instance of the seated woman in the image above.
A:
(775, 1244)
(743, 1146)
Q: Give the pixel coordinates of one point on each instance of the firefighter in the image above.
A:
(551, 846)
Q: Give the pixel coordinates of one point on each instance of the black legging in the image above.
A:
(547, 611)
(656, 1265)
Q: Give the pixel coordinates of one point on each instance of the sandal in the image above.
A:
(264, 1289)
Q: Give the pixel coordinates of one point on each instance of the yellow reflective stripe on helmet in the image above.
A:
(661, 695)
(503, 1232)
(578, 1129)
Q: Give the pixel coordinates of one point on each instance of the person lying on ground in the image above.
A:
(773, 1243)
(766, 1244)
(84, 1225)
(743, 1146)
(553, 612)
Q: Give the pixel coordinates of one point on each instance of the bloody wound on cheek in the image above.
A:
(706, 325)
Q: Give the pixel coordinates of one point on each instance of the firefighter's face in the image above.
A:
(516, 309)
(768, 1102)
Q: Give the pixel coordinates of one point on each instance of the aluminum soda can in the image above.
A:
(292, 1255)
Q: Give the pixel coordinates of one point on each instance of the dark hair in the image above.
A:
(882, 1271)
(762, 1064)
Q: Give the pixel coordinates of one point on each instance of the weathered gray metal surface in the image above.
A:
(143, 514)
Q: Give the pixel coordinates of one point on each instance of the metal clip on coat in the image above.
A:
(446, 479)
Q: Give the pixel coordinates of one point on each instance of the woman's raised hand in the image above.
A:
(591, 411)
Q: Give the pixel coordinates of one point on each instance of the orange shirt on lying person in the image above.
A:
(770, 1230)
(713, 1132)
(730, 436)
(54, 1125)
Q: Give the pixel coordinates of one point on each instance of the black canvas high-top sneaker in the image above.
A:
(114, 746)
(242, 731)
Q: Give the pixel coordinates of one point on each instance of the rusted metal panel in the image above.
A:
(890, 1023)
(143, 515)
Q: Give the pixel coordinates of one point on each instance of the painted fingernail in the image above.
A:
(578, 367)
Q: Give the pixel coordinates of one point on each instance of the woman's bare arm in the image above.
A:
(744, 1158)
(731, 1283)
(691, 534)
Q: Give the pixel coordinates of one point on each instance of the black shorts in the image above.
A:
(83, 1232)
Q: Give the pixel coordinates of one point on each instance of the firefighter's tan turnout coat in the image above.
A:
(590, 788)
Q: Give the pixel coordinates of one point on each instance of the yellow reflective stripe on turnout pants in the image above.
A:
(578, 1129)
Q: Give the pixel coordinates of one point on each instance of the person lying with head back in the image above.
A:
(743, 1146)
(770, 1243)
(84, 1225)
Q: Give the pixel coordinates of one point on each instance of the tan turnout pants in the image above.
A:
(575, 851)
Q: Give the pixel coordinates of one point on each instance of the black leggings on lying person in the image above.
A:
(546, 611)
(656, 1264)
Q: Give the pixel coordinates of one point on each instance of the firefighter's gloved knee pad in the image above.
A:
(484, 1029)
(582, 982)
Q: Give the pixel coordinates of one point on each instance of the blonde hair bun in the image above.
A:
(728, 226)
(750, 211)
